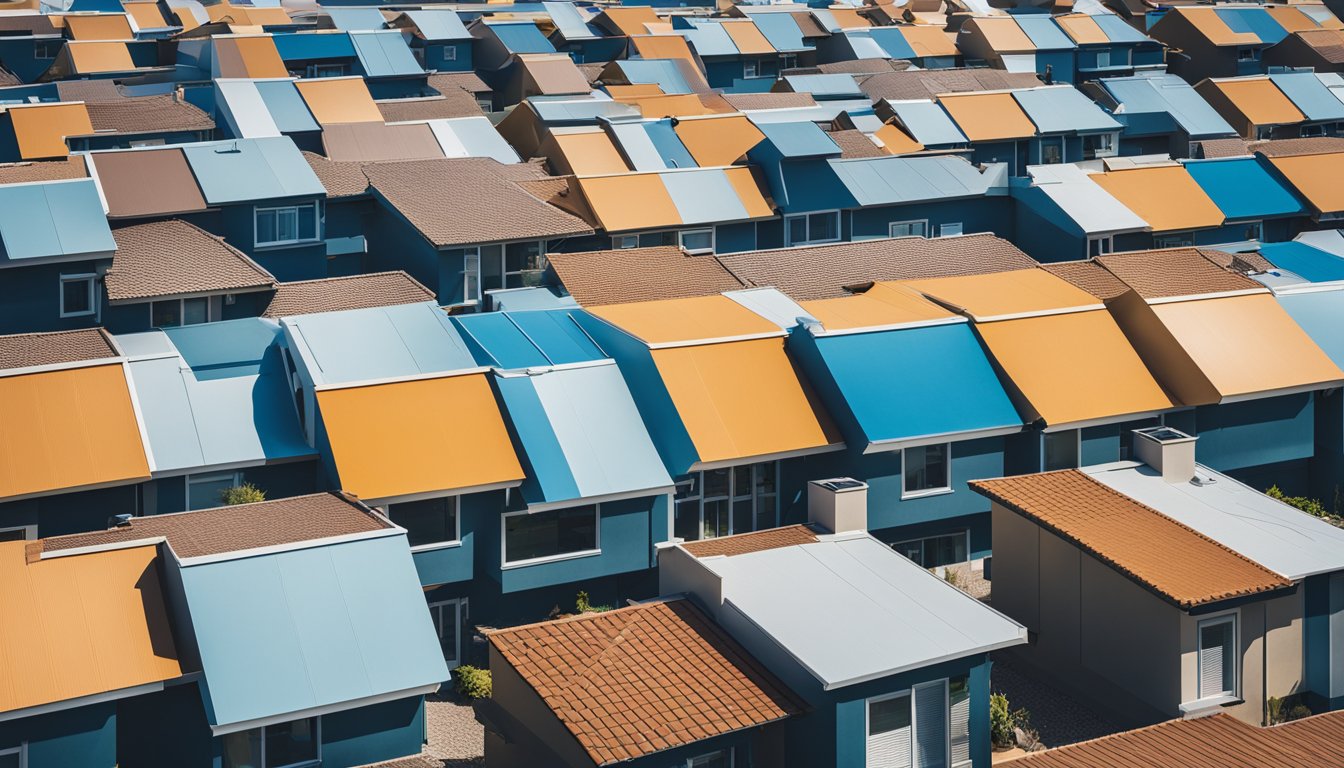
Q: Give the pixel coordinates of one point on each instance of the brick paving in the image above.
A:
(456, 740)
(1059, 718)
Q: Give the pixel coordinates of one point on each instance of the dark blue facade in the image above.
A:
(83, 737)
(30, 296)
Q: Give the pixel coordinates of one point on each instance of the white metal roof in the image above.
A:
(1083, 200)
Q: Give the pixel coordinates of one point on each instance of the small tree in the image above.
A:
(472, 682)
(246, 493)
(1000, 721)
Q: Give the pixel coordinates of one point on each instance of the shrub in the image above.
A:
(1313, 507)
(1000, 721)
(583, 605)
(472, 682)
(1298, 712)
(246, 493)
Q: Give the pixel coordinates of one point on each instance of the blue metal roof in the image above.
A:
(1044, 33)
(220, 350)
(578, 111)
(892, 180)
(522, 37)
(558, 336)
(287, 107)
(297, 46)
(709, 38)
(1321, 315)
(1256, 21)
(581, 434)
(352, 19)
(244, 170)
(439, 24)
(665, 139)
(571, 24)
(892, 42)
(1311, 263)
(1310, 95)
(663, 72)
(385, 54)
(306, 628)
(1243, 189)
(803, 139)
(527, 339)
(1063, 109)
(377, 343)
(53, 219)
(704, 196)
(1117, 30)
(528, 299)
(928, 122)
(830, 85)
(1169, 94)
(941, 368)
(780, 30)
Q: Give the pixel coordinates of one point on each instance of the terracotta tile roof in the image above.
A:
(1214, 148)
(88, 90)
(1241, 263)
(746, 543)
(854, 143)
(1317, 145)
(333, 294)
(453, 103)
(1169, 558)
(28, 349)
(240, 527)
(595, 278)
(927, 83)
(1090, 276)
(444, 82)
(1173, 272)
(742, 101)
(640, 680)
(863, 66)
(147, 114)
(1327, 43)
(53, 170)
(1206, 742)
(473, 200)
(592, 71)
(823, 271)
(172, 258)
(341, 179)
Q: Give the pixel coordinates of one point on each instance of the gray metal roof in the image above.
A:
(1063, 109)
(928, 122)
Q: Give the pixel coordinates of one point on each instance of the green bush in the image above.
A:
(246, 493)
(583, 605)
(1313, 507)
(1000, 721)
(472, 682)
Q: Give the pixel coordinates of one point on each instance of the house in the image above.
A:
(439, 39)
(736, 53)
(1037, 126)
(1279, 105)
(1225, 40)
(335, 294)
(1027, 44)
(1306, 164)
(1313, 47)
(1160, 114)
(1256, 205)
(1141, 586)
(1108, 46)
(921, 45)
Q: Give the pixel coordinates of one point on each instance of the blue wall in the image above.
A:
(77, 512)
(30, 297)
(84, 737)
(374, 733)
(1254, 433)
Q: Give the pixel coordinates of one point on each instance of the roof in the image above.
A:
(373, 142)
(595, 278)
(53, 219)
(1089, 276)
(668, 677)
(1004, 295)
(1059, 109)
(756, 541)
(1243, 188)
(1310, 94)
(1169, 95)
(50, 170)
(32, 349)
(172, 257)
(820, 272)
(855, 143)
(1258, 99)
(1167, 197)
(245, 170)
(771, 100)
(41, 129)
(1316, 145)
(1172, 560)
(333, 294)
(873, 181)
(1210, 149)
(82, 626)
(1092, 209)
(148, 114)
(667, 199)
(1319, 313)
(384, 53)
(345, 179)
(464, 201)
(339, 100)
(1172, 272)
(528, 339)
(454, 102)
(1306, 261)
(872, 613)
(377, 343)
(920, 84)
(927, 121)
(121, 177)
(669, 321)
(1313, 177)
(239, 527)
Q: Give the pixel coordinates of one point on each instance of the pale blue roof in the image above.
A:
(323, 626)
(472, 137)
(527, 339)
(580, 110)
(570, 22)
(533, 298)
(439, 24)
(377, 343)
(1310, 95)
(287, 107)
(1063, 109)
(801, 139)
(662, 72)
(1044, 33)
(709, 39)
(1117, 30)
(780, 30)
(245, 170)
(892, 180)
(53, 219)
(1170, 95)
(823, 86)
(521, 37)
(1321, 314)
(385, 54)
(928, 122)
(890, 39)
(353, 19)
(704, 196)
(1256, 21)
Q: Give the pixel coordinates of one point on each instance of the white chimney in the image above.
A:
(839, 504)
(1169, 451)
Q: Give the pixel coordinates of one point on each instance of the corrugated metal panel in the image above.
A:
(522, 37)
(1092, 209)
(781, 30)
(1117, 31)
(296, 46)
(927, 122)
(1243, 188)
(58, 218)
(1310, 95)
(1255, 21)
(1063, 109)
(378, 343)
(803, 139)
(439, 24)
(310, 628)
(558, 336)
(1315, 265)
(245, 110)
(1171, 95)
(662, 72)
(385, 54)
(889, 180)
(472, 137)
(287, 107)
(638, 146)
(353, 19)
(567, 19)
(709, 39)
(704, 196)
(1044, 33)
(252, 169)
(502, 343)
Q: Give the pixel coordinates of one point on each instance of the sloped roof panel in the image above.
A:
(662, 72)
(638, 147)
(710, 39)
(439, 24)
(472, 137)
(339, 100)
(121, 175)
(522, 37)
(1310, 95)
(633, 201)
(252, 169)
(569, 21)
(245, 109)
(718, 140)
(928, 122)
(1255, 21)
(1316, 178)
(888, 180)
(57, 218)
(286, 106)
(689, 319)
(669, 145)
(40, 129)
(378, 343)
(1063, 109)
(747, 37)
(891, 40)
(1092, 208)
(1314, 264)
(558, 336)
(1167, 197)
(988, 116)
(1045, 34)
(295, 46)
(800, 139)
(91, 58)
(1243, 188)
(1117, 30)
(1259, 100)
(385, 54)
(781, 30)
(1320, 314)
(356, 19)
(1171, 95)
(704, 196)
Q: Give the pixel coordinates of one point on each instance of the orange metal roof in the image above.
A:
(95, 57)
(692, 319)
(897, 141)
(719, 140)
(1291, 19)
(743, 399)
(1082, 28)
(258, 55)
(749, 192)
(929, 40)
(1259, 100)
(1004, 35)
(67, 429)
(662, 47)
(247, 15)
(630, 201)
(407, 437)
(1316, 177)
(995, 294)
(748, 38)
(100, 26)
(849, 18)
(1073, 367)
(146, 15)
(1165, 196)
(41, 128)
(630, 20)
(1212, 26)
(81, 625)
(622, 92)
(667, 105)
(335, 100)
(988, 116)
(884, 304)
(589, 153)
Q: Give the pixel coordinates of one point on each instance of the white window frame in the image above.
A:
(944, 683)
(29, 534)
(1105, 245)
(730, 751)
(868, 716)
(788, 61)
(1111, 138)
(750, 69)
(891, 227)
(297, 208)
(682, 233)
(947, 448)
(317, 739)
(807, 225)
(622, 242)
(456, 541)
(182, 311)
(458, 604)
(1231, 617)
(960, 227)
(91, 278)
(21, 751)
(205, 477)
(506, 564)
(504, 263)
(450, 53)
(1078, 447)
(732, 498)
(471, 271)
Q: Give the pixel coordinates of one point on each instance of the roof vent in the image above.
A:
(838, 504)
(1203, 480)
(1169, 451)
(119, 521)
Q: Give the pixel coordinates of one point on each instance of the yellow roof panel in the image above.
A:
(748, 38)
(1082, 28)
(996, 294)
(630, 201)
(1247, 344)
(410, 437)
(1073, 367)
(146, 15)
(885, 304)
(1164, 196)
(41, 128)
(988, 116)
(621, 92)
(68, 429)
(662, 47)
(1004, 35)
(897, 141)
(720, 140)
(631, 19)
(91, 58)
(334, 100)
(99, 26)
(1212, 26)
(743, 399)
(1316, 177)
(1260, 101)
(849, 18)
(749, 192)
(1291, 19)
(676, 320)
(81, 625)
(667, 105)
(260, 57)
(928, 40)
(589, 153)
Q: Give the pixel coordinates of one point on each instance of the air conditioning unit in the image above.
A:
(839, 504)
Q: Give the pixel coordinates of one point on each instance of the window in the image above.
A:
(812, 228)
(937, 551)
(77, 295)
(1248, 54)
(170, 313)
(447, 616)
(722, 758)
(46, 49)
(1264, 132)
(516, 265)
(15, 757)
(1098, 145)
(788, 61)
(18, 533)
(950, 229)
(431, 521)
(207, 491)
(1309, 131)
(911, 729)
(721, 502)
(287, 225)
(696, 240)
(926, 470)
(530, 536)
(1255, 230)
(1100, 245)
(749, 69)
(1103, 58)
(1060, 450)
(909, 229)
(1174, 240)
(325, 70)
(471, 276)
(889, 721)
(1218, 657)
(622, 242)
(450, 53)
(1052, 151)
(959, 708)
(283, 745)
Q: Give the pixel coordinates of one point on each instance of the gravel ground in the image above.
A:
(456, 740)
(1059, 718)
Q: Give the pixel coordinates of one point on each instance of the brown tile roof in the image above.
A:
(341, 179)
(592, 71)
(466, 201)
(854, 143)
(1220, 741)
(1231, 147)
(927, 83)
(1169, 558)
(595, 278)
(240, 527)
(1090, 276)
(823, 271)
(769, 100)
(1171, 272)
(1317, 145)
(863, 66)
(453, 103)
(173, 258)
(746, 543)
(443, 82)
(8, 78)
(147, 114)
(1241, 263)
(88, 90)
(28, 349)
(333, 294)
(644, 679)
(1327, 43)
(809, 25)
(51, 170)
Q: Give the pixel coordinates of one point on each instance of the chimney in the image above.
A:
(839, 505)
(1169, 451)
